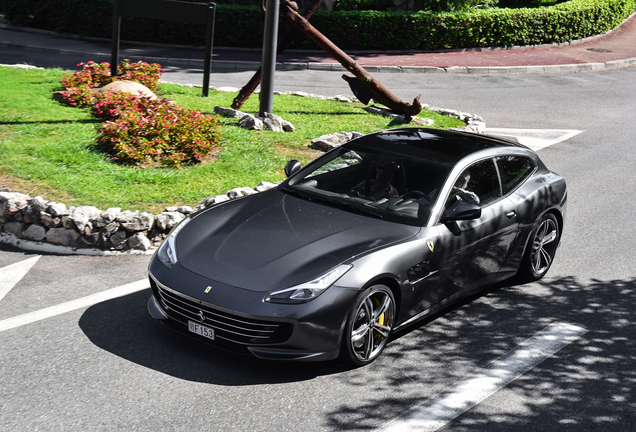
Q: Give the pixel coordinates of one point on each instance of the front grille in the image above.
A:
(226, 325)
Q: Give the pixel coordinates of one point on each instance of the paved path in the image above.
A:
(613, 50)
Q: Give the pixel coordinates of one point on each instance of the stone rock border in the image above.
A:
(38, 224)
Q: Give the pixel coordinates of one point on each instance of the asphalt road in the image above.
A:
(109, 366)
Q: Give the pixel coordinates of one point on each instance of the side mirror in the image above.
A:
(463, 211)
(292, 167)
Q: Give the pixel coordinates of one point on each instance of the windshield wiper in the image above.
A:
(297, 193)
(360, 209)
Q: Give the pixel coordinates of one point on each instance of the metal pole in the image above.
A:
(270, 40)
(249, 88)
(114, 55)
(209, 38)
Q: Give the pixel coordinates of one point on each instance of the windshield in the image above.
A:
(378, 182)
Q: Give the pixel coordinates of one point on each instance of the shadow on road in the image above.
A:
(123, 327)
(590, 385)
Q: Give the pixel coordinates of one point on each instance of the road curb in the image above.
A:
(337, 67)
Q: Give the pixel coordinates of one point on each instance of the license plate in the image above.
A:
(201, 330)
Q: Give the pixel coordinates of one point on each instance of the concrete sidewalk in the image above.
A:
(612, 50)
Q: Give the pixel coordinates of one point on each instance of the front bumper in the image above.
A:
(243, 322)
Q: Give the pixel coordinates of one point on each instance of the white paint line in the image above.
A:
(443, 408)
(536, 139)
(12, 274)
(72, 305)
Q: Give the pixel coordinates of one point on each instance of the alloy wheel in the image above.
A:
(372, 325)
(544, 246)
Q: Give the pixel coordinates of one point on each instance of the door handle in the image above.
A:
(511, 214)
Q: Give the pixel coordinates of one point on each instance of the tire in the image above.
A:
(369, 326)
(541, 249)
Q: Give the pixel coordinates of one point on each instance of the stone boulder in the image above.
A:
(330, 141)
(131, 87)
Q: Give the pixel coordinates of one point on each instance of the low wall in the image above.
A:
(35, 223)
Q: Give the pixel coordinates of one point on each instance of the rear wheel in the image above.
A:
(369, 326)
(542, 249)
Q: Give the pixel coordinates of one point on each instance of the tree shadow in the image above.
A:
(86, 121)
(587, 386)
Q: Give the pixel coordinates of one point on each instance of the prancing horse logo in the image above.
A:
(201, 315)
(207, 290)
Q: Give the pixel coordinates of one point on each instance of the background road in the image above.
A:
(110, 366)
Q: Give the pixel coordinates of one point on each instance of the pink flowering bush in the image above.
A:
(144, 131)
(139, 130)
(79, 85)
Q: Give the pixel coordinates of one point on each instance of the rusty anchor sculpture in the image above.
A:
(251, 85)
(365, 87)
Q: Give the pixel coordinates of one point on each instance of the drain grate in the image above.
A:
(600, 50)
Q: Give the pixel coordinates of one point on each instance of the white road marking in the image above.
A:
(443, 408)
(536, 139)
(90, 300)
(12, 274)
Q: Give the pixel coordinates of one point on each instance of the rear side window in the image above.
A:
(478, 184)
(513, 170)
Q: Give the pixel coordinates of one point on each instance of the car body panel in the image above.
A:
(302, 239)
(233, 254)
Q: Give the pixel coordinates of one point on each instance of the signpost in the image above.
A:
(166, 10)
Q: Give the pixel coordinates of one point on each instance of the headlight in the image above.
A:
(309, 290)
(167, 252)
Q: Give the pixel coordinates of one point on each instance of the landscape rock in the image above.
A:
(62, 236)
(49, 221)
(263, 186)
(277, 124)
(57, 209)
(131, 87)
(111, 214)
(14, 228)
(331, 141)
(82, 215)
(207, 202)
(90, 239)
(250, 122)
(34, 232)
(138, 241)
(139, 222)
(186, 210)
(168, 220)
(118, 240)
(241, 191)
(125, 217)
(229, 112)
(31, 213)
(12, 202)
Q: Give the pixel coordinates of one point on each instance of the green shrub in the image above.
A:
(350, 30)
(139, 130)
(79, 85)
(145, 131)
(415, 5)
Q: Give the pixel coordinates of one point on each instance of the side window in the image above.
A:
(477, 184)
(514, 170)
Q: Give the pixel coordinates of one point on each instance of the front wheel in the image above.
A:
(369, 326)
(540, 253)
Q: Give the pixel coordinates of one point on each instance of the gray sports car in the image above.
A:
(365, 240)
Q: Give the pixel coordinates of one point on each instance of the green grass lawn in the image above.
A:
(48, 148)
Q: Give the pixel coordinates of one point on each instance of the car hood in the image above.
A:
(275, 240)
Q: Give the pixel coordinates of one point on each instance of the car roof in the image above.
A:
(441, 146)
